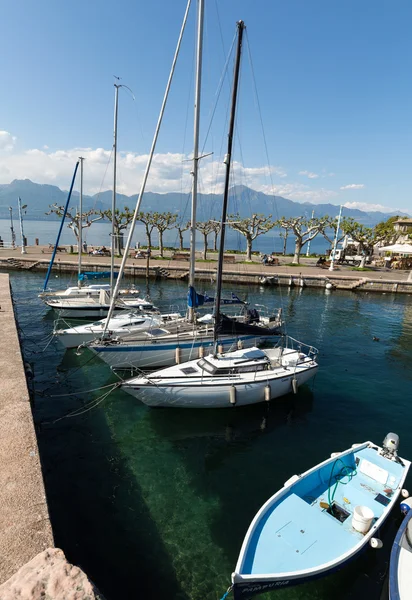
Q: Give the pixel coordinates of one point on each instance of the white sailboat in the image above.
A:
(184, 340)
(245, 376)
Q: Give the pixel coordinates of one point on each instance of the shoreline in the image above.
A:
(307, 274)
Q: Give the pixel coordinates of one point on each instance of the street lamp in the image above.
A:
(23, 239)
(13, 235)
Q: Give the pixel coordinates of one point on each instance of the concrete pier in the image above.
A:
(25, 528)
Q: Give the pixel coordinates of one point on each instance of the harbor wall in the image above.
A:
(25, 528)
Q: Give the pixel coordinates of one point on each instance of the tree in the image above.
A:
(298, 225)
(149, 223)
(120, 222)
(332, 223)
(251, 228)
(162, 222)
(75, 219)
(205, 227)
(181, 228)
(364, 236)
(216, 230)
(385, 232)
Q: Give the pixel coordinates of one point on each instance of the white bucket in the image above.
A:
(362, 518)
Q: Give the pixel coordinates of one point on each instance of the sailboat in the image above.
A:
(185, 339)
(93, 300)
(244, 376)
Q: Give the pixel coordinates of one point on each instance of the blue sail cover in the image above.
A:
(194, 299)
(95, 275)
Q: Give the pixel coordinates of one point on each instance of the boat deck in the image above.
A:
(297, 533)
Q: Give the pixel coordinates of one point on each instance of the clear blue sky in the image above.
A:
(334, 81)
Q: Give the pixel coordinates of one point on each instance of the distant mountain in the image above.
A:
(242, 199)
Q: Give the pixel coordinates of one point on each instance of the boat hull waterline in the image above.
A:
(289, 540)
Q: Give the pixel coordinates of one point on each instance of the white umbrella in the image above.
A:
(401, 248)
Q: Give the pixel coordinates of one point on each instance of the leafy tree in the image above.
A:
(205, 228)
(332, 223)
(251, 228)
(162, 222)
(385, 232)
(364, 236)
(149, 222)
(120, 222)
(75, 219)
(304, 229)
(181, 228)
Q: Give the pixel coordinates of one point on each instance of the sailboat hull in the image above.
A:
(216, 394)
(152, 355)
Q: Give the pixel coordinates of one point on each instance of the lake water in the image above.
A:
(154, 504)
(99, 235)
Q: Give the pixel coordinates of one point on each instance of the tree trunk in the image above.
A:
(180, 239)
(285, 242)
(205, 246)
(161, 242)
(149, 237)
(215, 241)
(248, 248)
(363, 262)
(298, 248)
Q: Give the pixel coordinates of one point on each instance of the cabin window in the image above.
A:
(206, 366)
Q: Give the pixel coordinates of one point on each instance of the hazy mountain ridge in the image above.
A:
(244, 200)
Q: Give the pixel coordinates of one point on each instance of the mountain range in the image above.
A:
(243, 200)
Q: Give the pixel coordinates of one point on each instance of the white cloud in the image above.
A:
(353, 186)
(374, 207)
(309, 174)
(7, 141)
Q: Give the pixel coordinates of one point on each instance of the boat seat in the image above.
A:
(296, 536)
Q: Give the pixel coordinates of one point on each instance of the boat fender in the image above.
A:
(406, 505)
(268, 393)
(220, 349)
(295, 385)
(201, 351)
(240, 344)
(329, 286)
(334, 454)
(375, 543)
(232, 395)
(291, 480)
(405, 493)
(178, 355)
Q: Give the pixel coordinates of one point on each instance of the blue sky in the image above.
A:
(333, 80)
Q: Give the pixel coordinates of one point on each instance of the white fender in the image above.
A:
(291, 480)
(405, 494)
(375, 543)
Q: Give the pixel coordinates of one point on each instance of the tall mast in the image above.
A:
(227, 161)
(79, 268)
(198, 83)
(23, 245)
(113, 244)
(335, 241)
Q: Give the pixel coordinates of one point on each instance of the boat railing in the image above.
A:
(301, 347)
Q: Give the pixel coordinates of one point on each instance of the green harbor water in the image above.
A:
(154, 504)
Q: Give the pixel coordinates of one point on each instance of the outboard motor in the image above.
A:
(390, 446)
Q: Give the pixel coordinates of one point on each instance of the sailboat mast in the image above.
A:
(227, 161)
(198, 84)
(79, 267)
(113, 242)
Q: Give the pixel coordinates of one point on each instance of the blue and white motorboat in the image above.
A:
(400, 569)
(322, 519)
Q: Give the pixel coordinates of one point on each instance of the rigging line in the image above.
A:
(261, 120)
(66, 378)
(218, 91)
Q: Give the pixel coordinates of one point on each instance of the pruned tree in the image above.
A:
(162, 222)
(75, 219)
(251, 228)
(284, 236)
(181, 228)
(121, 221)
(304, 230)
(364, 236)
(205, 228)
(385, 232)
(217, 226)
(332, 224)
(149, 223)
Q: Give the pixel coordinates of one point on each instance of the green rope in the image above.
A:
(346, 471)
